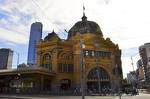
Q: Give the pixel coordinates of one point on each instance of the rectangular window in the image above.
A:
(63, 68)
(93, 53)
(102, 54)
(70, 67)
(86, 53)
(96, 53)
(60, 68)
(50, 66)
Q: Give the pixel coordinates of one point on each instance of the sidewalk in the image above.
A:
(140, 96)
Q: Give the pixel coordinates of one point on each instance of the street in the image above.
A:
(141, 96)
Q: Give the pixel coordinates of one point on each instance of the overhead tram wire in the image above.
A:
(41, 10)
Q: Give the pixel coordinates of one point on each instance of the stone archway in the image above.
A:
(98, 80)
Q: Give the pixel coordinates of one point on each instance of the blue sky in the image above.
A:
(126, 22)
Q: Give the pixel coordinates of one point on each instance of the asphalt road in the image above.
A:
(141, 96)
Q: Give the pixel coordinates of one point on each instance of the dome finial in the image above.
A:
(84, 18)
(53, 31)
(83, 10)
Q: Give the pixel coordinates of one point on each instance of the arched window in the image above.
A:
(98, 73)
(47, 61)
(66, 56)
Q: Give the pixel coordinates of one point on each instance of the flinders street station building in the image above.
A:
(62, 65)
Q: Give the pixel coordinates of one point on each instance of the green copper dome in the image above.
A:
(85, 26)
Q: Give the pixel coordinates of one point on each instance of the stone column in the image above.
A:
(42, 84)
(55, 87)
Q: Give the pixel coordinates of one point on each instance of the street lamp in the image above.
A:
(99, 83)
(98, 73)
(18, 74)
(117, 74)
(82, 68)
(18, 82)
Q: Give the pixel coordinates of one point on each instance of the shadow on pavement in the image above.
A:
(13, 98)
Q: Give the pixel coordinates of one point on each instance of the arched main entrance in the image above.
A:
(98, 80)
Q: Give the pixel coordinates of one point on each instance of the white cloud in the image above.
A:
(10, 36)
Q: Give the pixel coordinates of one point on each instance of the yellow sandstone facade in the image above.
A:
(101, 58)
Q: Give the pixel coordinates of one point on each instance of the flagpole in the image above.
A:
(83, 10)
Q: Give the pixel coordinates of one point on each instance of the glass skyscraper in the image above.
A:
(35, 36)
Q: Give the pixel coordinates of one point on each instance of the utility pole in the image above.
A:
(118, 77)
(98, 72)
(82, 67)
(18, 74)
(17, 58)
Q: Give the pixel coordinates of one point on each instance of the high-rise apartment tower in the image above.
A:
(144, 51)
